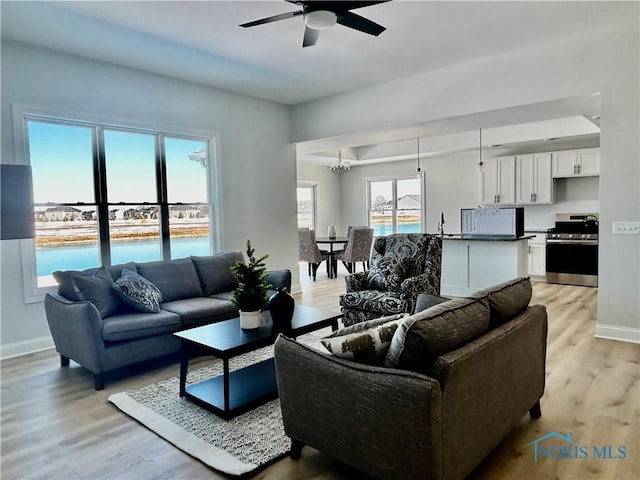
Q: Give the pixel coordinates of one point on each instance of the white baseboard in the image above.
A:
(25, 347)
(623, 334)
(297, 288)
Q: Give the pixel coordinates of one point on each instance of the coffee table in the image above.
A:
(238, 391)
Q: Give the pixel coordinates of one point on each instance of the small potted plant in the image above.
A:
(251, 293)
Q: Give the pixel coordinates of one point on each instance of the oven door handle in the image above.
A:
(572, 242)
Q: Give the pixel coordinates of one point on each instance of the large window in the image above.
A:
(306, 205)
(395, 205)
(107, 195)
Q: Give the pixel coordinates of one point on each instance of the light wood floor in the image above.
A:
(56, 426)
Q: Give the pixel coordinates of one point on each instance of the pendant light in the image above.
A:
(480, 162)
(418, 170)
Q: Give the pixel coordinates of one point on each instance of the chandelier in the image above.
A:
(340, 166)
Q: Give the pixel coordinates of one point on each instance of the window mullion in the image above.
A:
(100, 181)
(394, 205)
(161, 187)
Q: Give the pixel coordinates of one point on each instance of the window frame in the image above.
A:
(22, 114)
(314, 201)
(394, 191)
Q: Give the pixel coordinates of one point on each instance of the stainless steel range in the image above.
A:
(572, 250)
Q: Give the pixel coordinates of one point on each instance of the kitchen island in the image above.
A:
(471, 264)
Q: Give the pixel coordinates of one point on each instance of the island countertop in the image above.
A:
(457, 236)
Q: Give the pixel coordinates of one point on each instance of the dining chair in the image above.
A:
(358, 249)
(309, 252)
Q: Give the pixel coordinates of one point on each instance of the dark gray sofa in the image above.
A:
(456, 378)
(195, 291)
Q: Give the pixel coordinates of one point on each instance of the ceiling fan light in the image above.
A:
(320, 19)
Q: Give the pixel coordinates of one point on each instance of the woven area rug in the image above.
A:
(237, 446)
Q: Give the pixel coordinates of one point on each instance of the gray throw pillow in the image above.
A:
(138, 292)
(425, 301)
(66, 287)
(96, 288)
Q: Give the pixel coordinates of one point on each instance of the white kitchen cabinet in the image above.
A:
(534, 184)
(538, 256)
(588, 160)
(498, 181)
(584, 162)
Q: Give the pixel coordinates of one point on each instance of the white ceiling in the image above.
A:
(200, 41)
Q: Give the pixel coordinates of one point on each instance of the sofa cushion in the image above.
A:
(116, 270)
(215, 272)
(507, 299)
(388, 272)
(201, 310)
(366, 342)
(65, 278)
(96, 288)
(176, 279)
(442, 328)
(139, 325)
(138, 292)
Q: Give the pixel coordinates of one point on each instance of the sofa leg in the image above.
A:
(64, 361)
(535, 411)
(98, 381)
(296, 448)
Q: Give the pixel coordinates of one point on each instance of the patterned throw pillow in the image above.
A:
(388, 273)
(96, 288)
(138, 292)
(365, 342)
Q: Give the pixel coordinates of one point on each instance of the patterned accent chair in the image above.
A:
(308, 251)
(358, 248)
(402, 266)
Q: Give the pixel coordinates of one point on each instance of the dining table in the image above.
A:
(332, 262)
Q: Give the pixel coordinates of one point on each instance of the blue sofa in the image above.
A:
(91, 325)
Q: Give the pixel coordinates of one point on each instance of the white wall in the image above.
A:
(606, 61)
(257, 160)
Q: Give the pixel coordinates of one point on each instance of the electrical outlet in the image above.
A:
(626, 228)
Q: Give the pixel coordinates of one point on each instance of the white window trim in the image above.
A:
(423, 197)
(22, 112)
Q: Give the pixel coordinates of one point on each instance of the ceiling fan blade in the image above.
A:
(355, 21)
(348, 5)
(335, 5)
(310, 37)
(274, 18)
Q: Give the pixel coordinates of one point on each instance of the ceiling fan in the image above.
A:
(319, 15)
